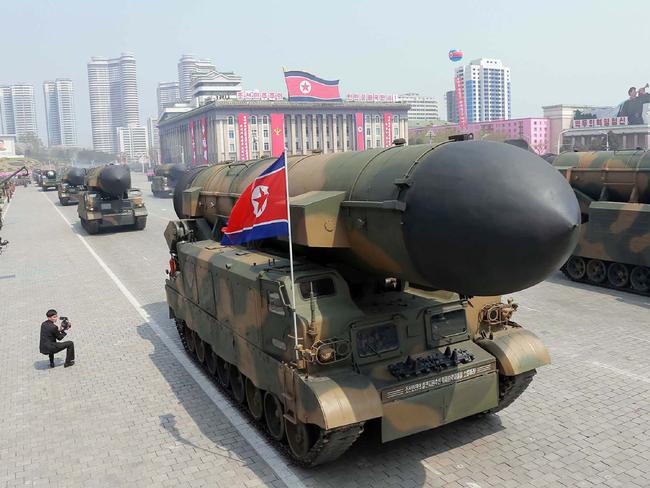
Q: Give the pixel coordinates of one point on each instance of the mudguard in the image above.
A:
(516, 350)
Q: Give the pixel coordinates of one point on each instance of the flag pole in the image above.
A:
(293, 283)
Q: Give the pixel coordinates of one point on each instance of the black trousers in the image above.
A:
(69, 353)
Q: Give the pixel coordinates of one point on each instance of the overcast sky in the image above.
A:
(559, 51)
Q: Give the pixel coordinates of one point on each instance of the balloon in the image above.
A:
(455, 55)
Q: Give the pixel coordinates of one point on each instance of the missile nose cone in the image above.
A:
(487, 218)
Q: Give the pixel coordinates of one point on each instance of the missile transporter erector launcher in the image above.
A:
(164, 179)
(374, 233)
(49, 180)
(109, 201)
(71, 186)
(613, 189)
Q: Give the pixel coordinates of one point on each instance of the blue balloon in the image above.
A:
(455, 55)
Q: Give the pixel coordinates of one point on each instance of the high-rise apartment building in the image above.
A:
(487, 90)
(422, 108)
(18, 108)
(59, 113)
(114, 103)
(168, 93)
(188, 65)
(452, 108)
(133, 142)
(152, 132)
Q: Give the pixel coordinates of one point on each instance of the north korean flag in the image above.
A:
(305, 87)
(261, 210)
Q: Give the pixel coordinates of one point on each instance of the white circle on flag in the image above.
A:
(259, 197)
(305, 87)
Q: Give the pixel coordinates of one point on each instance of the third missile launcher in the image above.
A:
(613, 188)
(109, 201)
(71, 186)
(374, 232)
(48, 179)
(164, 179)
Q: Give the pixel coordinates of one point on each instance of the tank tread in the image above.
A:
(605, 284)
(511, 387)
(330, 445)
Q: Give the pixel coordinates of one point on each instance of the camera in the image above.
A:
(65, 323)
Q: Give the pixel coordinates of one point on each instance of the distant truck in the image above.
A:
(109, 201)
(71, 185)
(165, 178)
(49, 180)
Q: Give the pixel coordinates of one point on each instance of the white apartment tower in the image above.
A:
(59, 113)
(152, 133)
(18, 108)
(422, 108)
(167, 94)
(133, 142)
(114, 103)
(486, 84)
(188, 65)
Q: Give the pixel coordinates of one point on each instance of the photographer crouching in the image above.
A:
(51, 333)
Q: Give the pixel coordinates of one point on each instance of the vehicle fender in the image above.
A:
(516, 350)
(331, 402)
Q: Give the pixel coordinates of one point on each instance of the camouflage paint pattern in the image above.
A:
(357, 330)
(613, 190)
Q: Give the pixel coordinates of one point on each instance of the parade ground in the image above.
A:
(136, 411)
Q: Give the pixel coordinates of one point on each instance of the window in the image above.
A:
(231, 120)
(377, 131)
(232, 147)
(253, 120)
(265, 120)
(372, 341)
(368, 143)
(231, 134)
(266, 133)
(320, 286)
(266, 146)
(275, 303)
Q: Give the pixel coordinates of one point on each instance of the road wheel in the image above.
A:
(576, 268)
(140, 223)
(640, 279)
(223, 372)
(254, 400)
(596, 271)
(210, 361)
(618, 275)
(301, 438)
(274, 416)
(64, 201)
(199, 347)
(237, 384)
(190, 338)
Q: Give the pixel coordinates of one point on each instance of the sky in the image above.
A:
(571, 51)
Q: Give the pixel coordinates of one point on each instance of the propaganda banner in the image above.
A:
(243, 125)
(460, 103)
(204, 140)
(193, 139)
(388, 129)
(277, 134)
(361, 138)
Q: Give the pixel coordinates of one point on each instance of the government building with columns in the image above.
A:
(235, 130)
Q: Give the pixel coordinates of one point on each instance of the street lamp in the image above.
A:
(559, 138)
(606, 140)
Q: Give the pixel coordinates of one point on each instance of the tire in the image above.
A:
(618, 275)
(140, 223)
(91, 226)
(640, 279)
(596, 271)
(576, 268)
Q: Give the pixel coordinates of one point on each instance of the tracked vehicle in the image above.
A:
(49, 180)
(614, 194)
(164, 179)
(109, 201)
(375, 233)
(71, 186)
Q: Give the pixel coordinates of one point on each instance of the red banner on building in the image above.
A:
(358, 117)
(388, 129)
(460, 103)
(243, 124)
(277, 134)
(204, 140)
(193, 139)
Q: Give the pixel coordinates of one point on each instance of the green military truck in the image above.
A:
(374, 234)
(614, 195)
(71, 186)
(109, 201)
(165, 178)
(49, 180)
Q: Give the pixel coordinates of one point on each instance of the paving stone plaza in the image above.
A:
(134, 411)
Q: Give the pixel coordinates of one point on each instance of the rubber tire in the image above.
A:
(594, 265)
(254, 400)
(641, 287)
(92, 226)
(223, 372)
(237, 384)
(618, 275)
(274, 416)
(199, 348)
(210, 360)
(576, 268)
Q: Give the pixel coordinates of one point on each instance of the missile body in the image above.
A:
(113, 180)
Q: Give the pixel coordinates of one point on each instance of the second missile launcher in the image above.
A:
(49, 180)
(71, 186)
(374, 233)
(109, 201)
(164, 179)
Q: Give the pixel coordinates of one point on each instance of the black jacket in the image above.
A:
(50, 333)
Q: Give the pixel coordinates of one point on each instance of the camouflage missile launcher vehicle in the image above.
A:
(49, 180)
(614, 195)
(71, 185)
(165, 177)
(374, 233)
(109, 201)
(36, 176)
